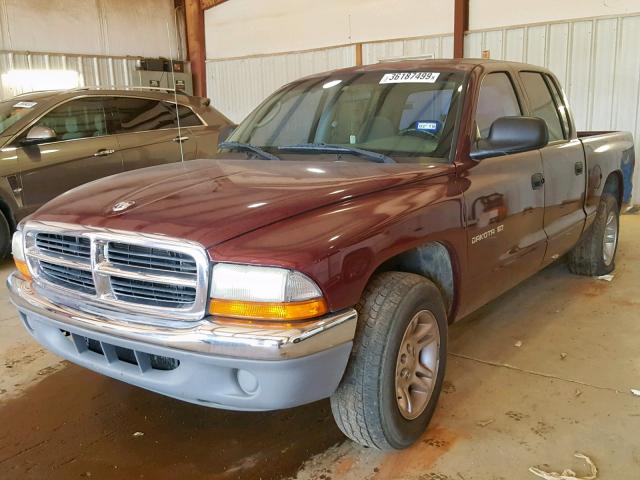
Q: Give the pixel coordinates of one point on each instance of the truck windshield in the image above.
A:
(404, 115)
(12, 111)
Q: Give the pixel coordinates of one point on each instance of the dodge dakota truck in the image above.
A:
(323, 253)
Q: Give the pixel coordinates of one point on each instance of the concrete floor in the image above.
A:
(566, 389)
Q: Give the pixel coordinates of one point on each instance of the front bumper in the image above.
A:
(236, 367)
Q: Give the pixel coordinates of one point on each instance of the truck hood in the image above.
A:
(212, 201)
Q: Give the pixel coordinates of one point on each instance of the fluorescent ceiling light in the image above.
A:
(33, 80)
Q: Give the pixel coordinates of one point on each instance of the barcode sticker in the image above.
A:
(410, 77)
(24, 104)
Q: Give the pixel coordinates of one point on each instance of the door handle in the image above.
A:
(104, 152)
(579, 168)
(537, 181)
(180, 139)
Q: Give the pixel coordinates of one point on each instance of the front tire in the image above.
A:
(391, 386)
(5, 237)
(595, 253)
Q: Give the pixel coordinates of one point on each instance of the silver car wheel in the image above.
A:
(417, 364)
(610, 238)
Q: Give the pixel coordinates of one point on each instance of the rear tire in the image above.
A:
(594, 254)
(5, 237)
(393, 380)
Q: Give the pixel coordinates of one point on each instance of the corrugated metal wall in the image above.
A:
(237, 86)
(596, 60)
(437, 47)
(93, 71)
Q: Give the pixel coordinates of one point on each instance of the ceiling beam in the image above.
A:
(460, 26)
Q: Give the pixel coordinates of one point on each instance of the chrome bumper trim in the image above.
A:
(206, 336)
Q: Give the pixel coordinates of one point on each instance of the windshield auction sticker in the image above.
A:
(25, 105)
(410, 77)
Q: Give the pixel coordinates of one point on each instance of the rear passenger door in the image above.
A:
(82, 151)
(563, 164)
(504, 204)
(148, 133)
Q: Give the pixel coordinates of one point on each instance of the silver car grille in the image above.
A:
(146, 274)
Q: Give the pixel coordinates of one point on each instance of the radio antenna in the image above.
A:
(179, 139)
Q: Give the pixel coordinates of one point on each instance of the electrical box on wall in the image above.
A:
(160, 79)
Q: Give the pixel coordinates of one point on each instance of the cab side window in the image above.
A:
(542, 104)
(144, 115)
(497, 99)
(563, 110)
(187, 117)
(81, 118)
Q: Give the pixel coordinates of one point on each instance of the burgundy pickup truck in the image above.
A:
(343, 226)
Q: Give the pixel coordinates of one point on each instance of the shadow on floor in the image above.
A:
(78, 424)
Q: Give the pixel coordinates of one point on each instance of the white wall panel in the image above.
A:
(435, 47)
(485, 14)
(536, 45)
(514, 48)
(579, 72)
(557, 51)
(604, 64)
(237, 86)
(83, 27)
(446, 45)
(257, 27)
(473, 44)
(93, 71)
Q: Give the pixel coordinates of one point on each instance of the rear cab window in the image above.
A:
(542, 104)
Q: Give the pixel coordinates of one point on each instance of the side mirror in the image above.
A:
(225, 132)
(39, 134)
(512, 135)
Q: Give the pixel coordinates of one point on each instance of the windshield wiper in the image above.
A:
(333, 148)
(247, 147)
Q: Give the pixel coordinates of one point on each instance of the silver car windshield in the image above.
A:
(404, 115)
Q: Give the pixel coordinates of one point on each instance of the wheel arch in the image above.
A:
(614, 185)
(5, 209)
(434, 260)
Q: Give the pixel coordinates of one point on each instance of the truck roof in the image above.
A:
(460, 64)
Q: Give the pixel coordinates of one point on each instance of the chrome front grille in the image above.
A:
(152, 293)
(64, 245)
(124, 254)
(68, 277)
(147, 274)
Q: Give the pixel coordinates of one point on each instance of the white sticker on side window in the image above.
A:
(25, 104)
(410, 77)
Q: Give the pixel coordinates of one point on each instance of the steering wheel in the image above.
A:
(418, 133)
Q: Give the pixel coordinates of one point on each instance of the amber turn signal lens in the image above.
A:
(22, 268)
(268, 311)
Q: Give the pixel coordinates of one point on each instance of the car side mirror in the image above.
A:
(225, 132)
(39, 134)
(509, 135)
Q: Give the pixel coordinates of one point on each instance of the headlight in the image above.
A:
(17, 249)
(266, 293)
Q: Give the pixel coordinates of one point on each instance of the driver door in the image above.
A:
(506, 240)
(82, 151)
